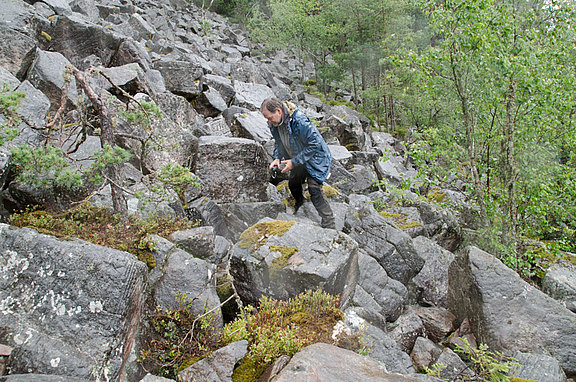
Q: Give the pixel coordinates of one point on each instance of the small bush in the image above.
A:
(278, 328)
(179, 340)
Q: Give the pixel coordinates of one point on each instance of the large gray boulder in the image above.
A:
(327, 363)
(17, 15)
(536, 367)
(180, 277)
(390, 246)
(560, 283)
(232, 169)
(202, 242)
(68, 307)
(432, 280)
(251, 125)
(241, 216)
(47, 73)
(181, 77)
(77, 38)
(390, 294)
(282, 259)
(250, 95)
(14, 47)
(508, 314)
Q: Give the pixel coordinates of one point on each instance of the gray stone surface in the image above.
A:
(559, 282)
(313, 258)
(508, 314)
(68, 307)
(327, 363)
(234, 169)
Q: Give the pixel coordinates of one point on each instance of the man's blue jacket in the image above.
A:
(310, 148)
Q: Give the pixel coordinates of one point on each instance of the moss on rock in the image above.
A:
(259, 233)
(280, 262)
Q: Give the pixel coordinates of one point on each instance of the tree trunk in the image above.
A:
(471, 142)
(106, 139)
(510, 170)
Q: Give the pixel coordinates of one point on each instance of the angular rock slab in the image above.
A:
(68, 307)
(290, 258)
(232, 169)
(218, 367)
(508, 314)
(326, 363)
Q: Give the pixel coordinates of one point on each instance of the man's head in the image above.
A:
(271, 109)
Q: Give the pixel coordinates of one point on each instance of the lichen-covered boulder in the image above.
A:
(68, 308)
(282, 259)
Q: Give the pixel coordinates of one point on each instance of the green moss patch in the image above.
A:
(259, 233)
(280, 262)
(101, 226)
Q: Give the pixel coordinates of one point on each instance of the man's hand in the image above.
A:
(275, 162)
(289, 166)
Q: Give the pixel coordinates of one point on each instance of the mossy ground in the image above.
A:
(101, 226)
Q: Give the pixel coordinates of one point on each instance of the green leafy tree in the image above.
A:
(505, 65)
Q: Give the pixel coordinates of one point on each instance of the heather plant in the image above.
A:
(276, 328)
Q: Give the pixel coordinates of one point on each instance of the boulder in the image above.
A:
(432, 280)
(327, 363)
(183, 278)
(202, 242)
(241, 216)
(390, 294)
(452, 366)
(281, 259)
(441, 225)
(69, 308)
(391, 247)
(76, 38)
(438, 322)
(232, 169)
(181, 77)
(424, 353)
(508, 314)
(380, 346)
(536, 367)
(222, 84)
(251, 125)
(15, 46)
(46, 73)
(251, 95)
(559, 282)
(218, 367)
(19, 16)
(406, 329)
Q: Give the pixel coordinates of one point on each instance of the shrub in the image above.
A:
(278, 328)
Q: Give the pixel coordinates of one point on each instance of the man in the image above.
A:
(300, 147)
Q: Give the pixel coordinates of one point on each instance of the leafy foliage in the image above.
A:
(488, 365)
(9, 102)
(180, 339)
(278, 328)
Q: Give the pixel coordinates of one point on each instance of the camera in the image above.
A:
(275, 172)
